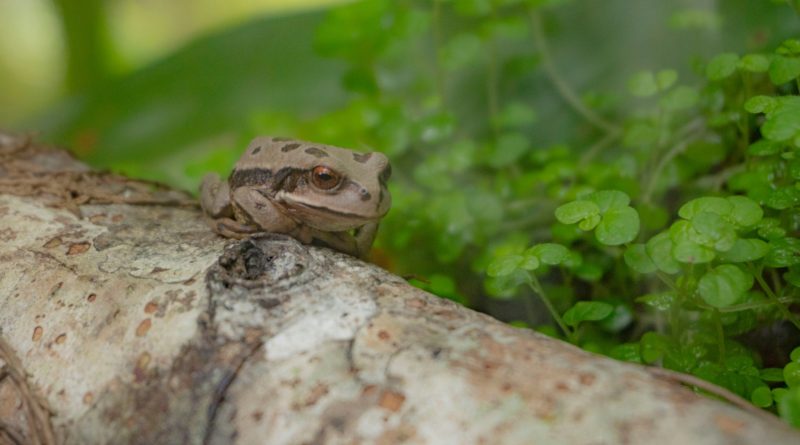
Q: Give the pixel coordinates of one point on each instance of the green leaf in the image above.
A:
(462, 50)
(783, 252)
(789, 406)
(722, 66)
(783, 69)
(529, 262)
(744, 212)
(680, 98)
(587, 311)
(659, 249)
(509, 148)
(653, 346)
(666, 78)
(755, 63)
(504, 265)
(720, 206)
(760, 104)
(770, 228)
(724, 285)
(791, 375)
(608, 199)
(771, 375)
(550, 253)
(749, 249)
(515, 114)
(636, 258)
(618, 226)
(590, 223)
(783, 122)
(795, 355)
(763, 147)
(660, 301)
(692, 253)
(575, 211)
(761, 397)
(643, 84)
(716, 229)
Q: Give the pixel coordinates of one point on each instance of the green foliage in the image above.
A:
(656, 224)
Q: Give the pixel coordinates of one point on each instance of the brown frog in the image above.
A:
(312, 192)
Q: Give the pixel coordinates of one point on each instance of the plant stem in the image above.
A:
(534, 284)
(720, 335)
(768, 290)
(562, 87)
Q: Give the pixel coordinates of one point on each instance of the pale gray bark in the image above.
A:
(134, 323)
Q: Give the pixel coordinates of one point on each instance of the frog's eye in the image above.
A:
(325, 178)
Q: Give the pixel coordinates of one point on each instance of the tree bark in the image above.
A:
(126, 320)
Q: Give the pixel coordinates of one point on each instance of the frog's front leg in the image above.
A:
(256, 213)
(215, 199)
(356, 244)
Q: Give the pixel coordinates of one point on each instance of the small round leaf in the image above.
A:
(619, 226)
(575, 211)
(722, 66)
(504, 265)
(724, 285)
(587, 311)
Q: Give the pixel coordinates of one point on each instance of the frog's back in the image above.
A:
(274, 153)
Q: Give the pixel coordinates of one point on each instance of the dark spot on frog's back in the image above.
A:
(280, 139)
(255, 150)
(317, 152)
(362, 157)
(290, 147)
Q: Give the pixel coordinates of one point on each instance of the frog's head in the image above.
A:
(328, 188)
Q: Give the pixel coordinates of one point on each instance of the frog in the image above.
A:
(316, 193)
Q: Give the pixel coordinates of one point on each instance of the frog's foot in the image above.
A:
(231, 228)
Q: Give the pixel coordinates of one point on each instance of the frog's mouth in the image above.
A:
(325, 218)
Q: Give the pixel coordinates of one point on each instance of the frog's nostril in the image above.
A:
(365, 195)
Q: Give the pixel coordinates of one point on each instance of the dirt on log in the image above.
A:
(123, 319)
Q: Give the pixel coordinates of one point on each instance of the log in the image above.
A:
(124, 319)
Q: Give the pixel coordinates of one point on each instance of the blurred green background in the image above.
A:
(473, 100)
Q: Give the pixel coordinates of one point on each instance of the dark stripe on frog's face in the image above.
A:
(251, 176)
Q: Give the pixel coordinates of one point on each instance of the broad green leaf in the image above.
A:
(504, 265)
(608, 199)
(771, 374)
(760, 104)
(783, 122)
(659, 249)
(783, 252)
(515, 114)
(795, 355)
(722, 66)
(653, 346)
(660, 301)
(749, 249)
(590, 223)
(745, 211)
(763, 147)
(461, 50)
(770, 228)
(692, 253)
(680, 98)
(761, 397)
(791, 375)
(636, 258)
(789, 406)
(619, 225)
(666, 78)
(783, 69)
(549, 253)
(529, 262)
(575, 211)
(716, 228)
(712, 204)
(755, 63)
(509, 148)
(724, 285)
(643, 84)
(783, 198)
(587, 311)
